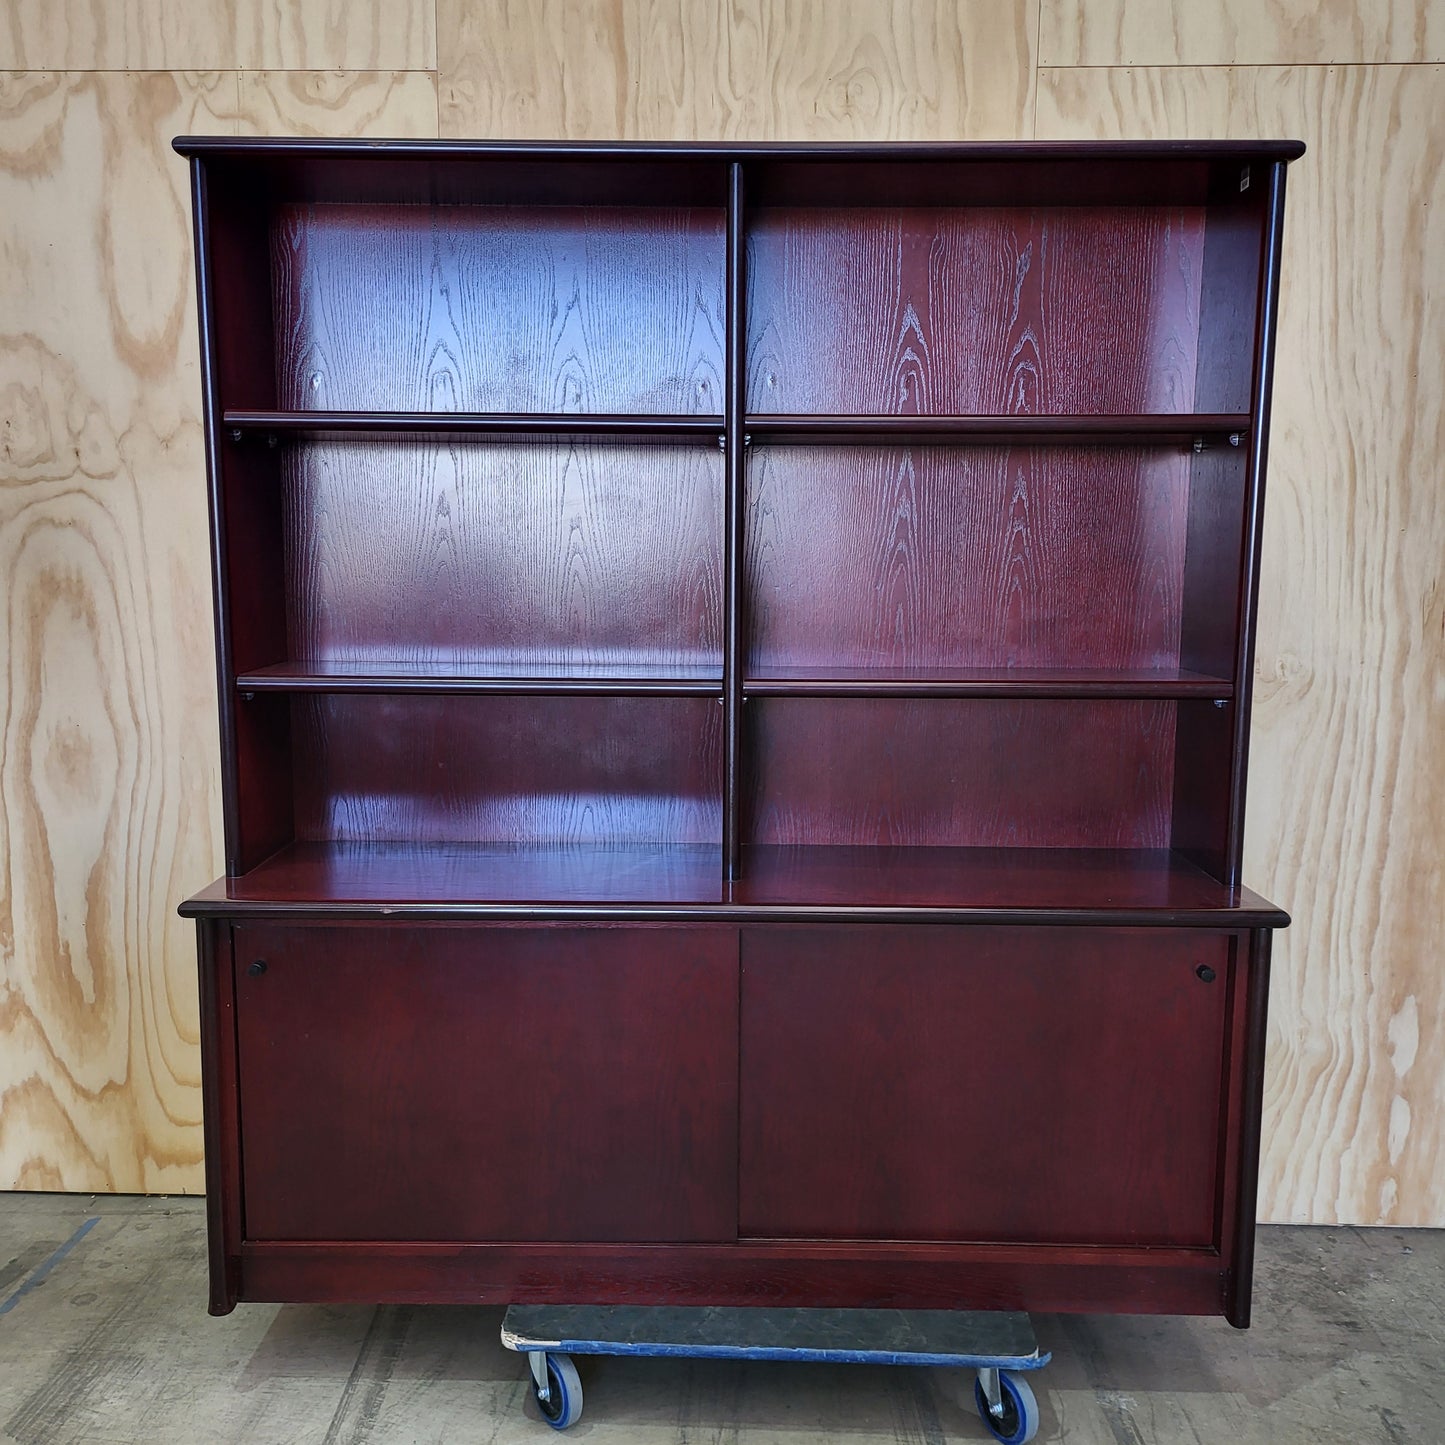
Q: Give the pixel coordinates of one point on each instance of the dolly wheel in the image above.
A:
(1018, 1419)
(563, 1404)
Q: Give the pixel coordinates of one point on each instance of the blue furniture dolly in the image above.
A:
(1000, 1346)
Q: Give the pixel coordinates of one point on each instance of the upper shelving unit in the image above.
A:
(937, 466)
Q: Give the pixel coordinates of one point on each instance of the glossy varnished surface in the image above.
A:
(327, 873)
(525, 675)
(1022, 878)
(498, 309)
(480, 880)
(959, 558)
(504, 557)
(894, 1085)
(506, 769)
(994, 310)
(973, 773)
(488, 1084)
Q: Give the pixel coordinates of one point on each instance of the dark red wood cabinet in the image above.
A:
(735, 678)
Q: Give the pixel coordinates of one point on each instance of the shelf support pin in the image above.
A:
(236, 434)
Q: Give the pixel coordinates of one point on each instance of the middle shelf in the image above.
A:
(810, 428)
(403, 675)
(612, 679)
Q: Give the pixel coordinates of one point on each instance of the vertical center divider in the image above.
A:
(734, 444)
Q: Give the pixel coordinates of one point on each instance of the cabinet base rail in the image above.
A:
(1052, 1279)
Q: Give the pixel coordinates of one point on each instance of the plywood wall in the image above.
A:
(108, 795)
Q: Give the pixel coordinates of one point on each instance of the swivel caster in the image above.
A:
(1007, 1406)
(556, 1388)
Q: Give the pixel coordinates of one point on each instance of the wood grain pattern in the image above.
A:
(962, 559)
(399, 873)
(1348, 769)
(505, 557)
(554, 309)
(548, 1084)
(217, 34)
(1238, 32)
(736, 69)
(983, 774)
(998, 311)
(108, 786)
(593, 770)
(970, 1139)
(337, 102)
(109, 798)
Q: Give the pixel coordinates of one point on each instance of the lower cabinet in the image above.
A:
(1046, 1117)
(497, 1083)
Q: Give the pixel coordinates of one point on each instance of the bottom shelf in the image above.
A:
(687, 881)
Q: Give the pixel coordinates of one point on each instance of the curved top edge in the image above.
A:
(253, 146)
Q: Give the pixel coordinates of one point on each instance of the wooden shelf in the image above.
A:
(1041, 885)
(400, 676)
(1012, 682)
(434, 424)
(1213, 429)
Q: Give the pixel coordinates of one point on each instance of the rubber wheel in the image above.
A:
(1020, 1419)
(564, 1408)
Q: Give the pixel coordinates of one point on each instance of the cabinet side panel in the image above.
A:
(1229, 296)
(1239, 1247)
(239, 215)
(1209, 643)
(221, 1118)
(253, 613)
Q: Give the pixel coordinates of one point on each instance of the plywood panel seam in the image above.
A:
(1231, 65)
(1037, 68)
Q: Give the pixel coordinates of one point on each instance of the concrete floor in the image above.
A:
(104, 1337)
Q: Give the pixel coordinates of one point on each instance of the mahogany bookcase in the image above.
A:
(734, 682)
